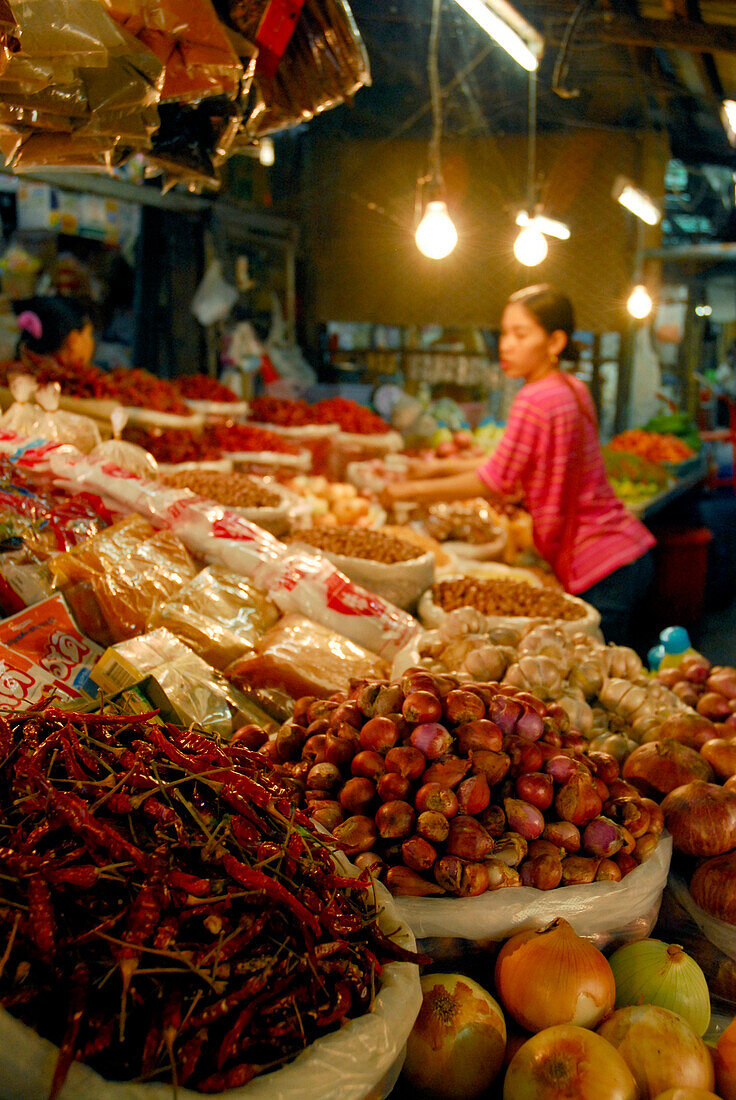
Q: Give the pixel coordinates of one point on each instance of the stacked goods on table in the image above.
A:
(653, 446)
(348, 415)
(502, 770)
(172, 446)
(634, 479)
(200, 387)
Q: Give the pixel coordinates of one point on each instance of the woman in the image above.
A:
(58, 327)
(550, 451)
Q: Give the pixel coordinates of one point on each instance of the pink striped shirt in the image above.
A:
(534, 456)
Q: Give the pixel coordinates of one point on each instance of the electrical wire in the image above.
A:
(531, 164)
(435, 91)
(560, 70)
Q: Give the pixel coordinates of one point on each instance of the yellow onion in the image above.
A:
(553, 977)
(655, 973)
(566, 1062)
(687, 1094)
(660, 1048)
(458, 1042)
(724, 1058)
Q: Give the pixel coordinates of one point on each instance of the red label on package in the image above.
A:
(345, 598)
(274, 33)
(21, 681)
(113, 470)
(46, 635)
(231, 526)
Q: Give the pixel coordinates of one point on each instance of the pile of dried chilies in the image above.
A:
(164, 889)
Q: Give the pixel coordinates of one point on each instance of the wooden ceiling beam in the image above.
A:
(677, 34)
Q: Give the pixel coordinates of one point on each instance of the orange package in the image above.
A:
(129, 569)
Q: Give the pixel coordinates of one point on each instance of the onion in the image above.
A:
(564, 1062)
(687, 1094)
(702, 818)
(724, 1058)
(554, 977)
(660, 1048)
(691, 729)
(661, 766)
(713, 887)
(721, 755)
(723, 680)
(652, 972)
(457, 1045)
(713, 705)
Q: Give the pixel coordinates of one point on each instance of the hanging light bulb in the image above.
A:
(530, 247)
(436, 235)
(266, 152)
(640, 303)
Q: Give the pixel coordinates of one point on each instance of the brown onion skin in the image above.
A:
(357, 834)
(418, 853)
(357, 795)
(395, 820)
(379, 734)
(564, 834)
(691, 729)
(473, 880)
(537, 788)
(405, 883)
(494, 765)
(434, 796)
(713, 887)
(421, 706)
(406, 761)
(500, 875)
(660, 766)
(494, 820)
(606, 767)
(542, 872)
(721, 755)
(713, 705)
(578, 801)
(480, 734)
(608, 871)
(722, 679)
(391, 785)
(656, 817)
(433, 827)
(702, 818)
(473, 794)
(368, 764)
(579, 870)
(448, 771)
(463, 706)
(328, 814)
(468, 839)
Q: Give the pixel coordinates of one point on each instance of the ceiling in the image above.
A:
(619, 64)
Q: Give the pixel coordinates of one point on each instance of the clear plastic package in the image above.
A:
(300, 657)
(219, 614)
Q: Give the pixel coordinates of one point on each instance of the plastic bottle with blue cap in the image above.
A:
(674, 645)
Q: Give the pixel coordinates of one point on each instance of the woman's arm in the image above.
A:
(463, 486)
(442, 467)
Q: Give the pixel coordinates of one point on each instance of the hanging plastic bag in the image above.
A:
(214, 297)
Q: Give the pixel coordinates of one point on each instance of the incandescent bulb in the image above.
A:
(266, 152)
(640, 303)
(530, 247)
(436, 236)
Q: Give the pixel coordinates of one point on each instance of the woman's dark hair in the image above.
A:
(46, 322)
(552, 310)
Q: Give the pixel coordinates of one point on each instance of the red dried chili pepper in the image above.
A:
(224, 1006)
(77, 815)
(232, 1079)
(142, 920)
(67, 1050)
(256, 880)
(42, 925)
(340, 1007)
(84, 877)
(179, 880)
(189, 1056)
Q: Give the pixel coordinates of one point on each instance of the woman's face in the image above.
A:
(79, 346)
(527, 350)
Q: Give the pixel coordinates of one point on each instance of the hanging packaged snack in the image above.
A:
(300, 657)
(9, 40)
(66, 427)
(129, 569)
(23, 417)
(323, 64)
(219, 614)
(55, 150)
(78, 32)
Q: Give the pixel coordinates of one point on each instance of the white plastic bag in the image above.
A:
(66, 427)
(23, 416)
(718, 932)
(360, 1059)
(401, 582)
(609, 913)
(214, 297)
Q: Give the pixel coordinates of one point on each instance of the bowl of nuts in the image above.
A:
(257, 499)
(516, 603)
(395, 569)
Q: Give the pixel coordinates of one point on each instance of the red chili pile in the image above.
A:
(133, 387)
(448, 787)
(348, 415)
(174, 445)
(167, 913)
(246, 437)
(200, 387)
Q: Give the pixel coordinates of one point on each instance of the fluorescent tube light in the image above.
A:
(637, 201)
(728, 118)
(509, 29)
(549, 226)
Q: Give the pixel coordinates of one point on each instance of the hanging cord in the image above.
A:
(561, 67)
(435, 91)
(531, 163)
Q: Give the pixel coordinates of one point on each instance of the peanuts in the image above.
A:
(471, 521)
(359, 542)
(233, 490)
(501, 597)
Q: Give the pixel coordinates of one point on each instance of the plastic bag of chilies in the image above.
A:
(323, 64)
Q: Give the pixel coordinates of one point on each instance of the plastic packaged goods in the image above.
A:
(219, 614)
(324, 64)
(9, 41)
(66, 427)
(129, 568)
(259, 501)
(310, 585)
(79, 32)
(608, 913)
(23, 683)
(300, 657)
(47, 636)
(23, 416)
(711, 942)
(184, 688)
